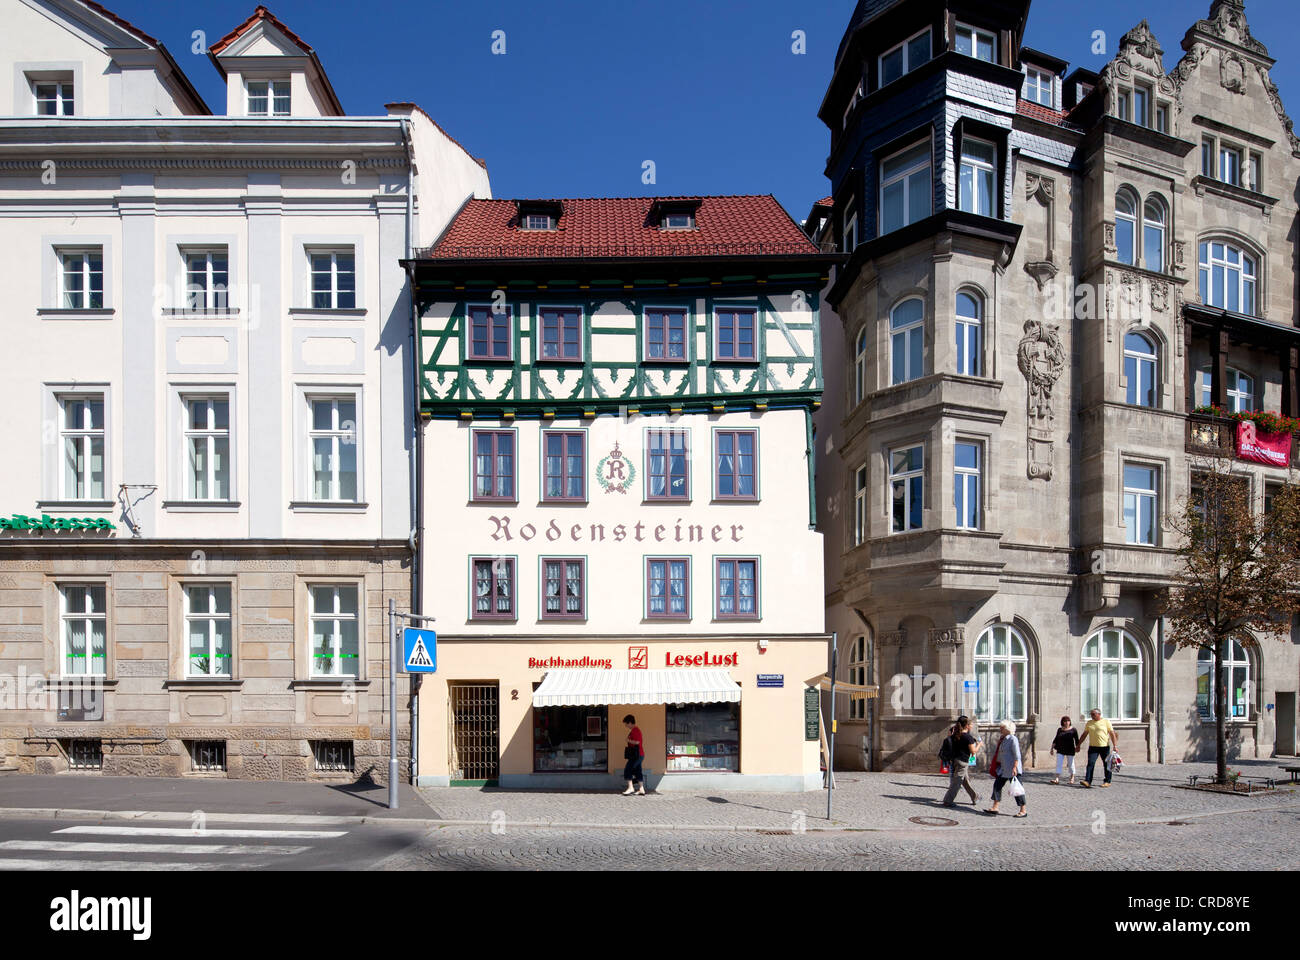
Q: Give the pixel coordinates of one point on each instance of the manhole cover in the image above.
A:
(932, 821)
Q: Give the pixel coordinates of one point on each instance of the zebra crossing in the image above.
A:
(98, 847)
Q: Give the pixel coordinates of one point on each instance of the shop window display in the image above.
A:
(703, 736)
(571, 739)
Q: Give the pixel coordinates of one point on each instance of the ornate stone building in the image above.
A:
(1049, 274)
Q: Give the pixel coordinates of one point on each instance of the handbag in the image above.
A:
(1017, 788)
(993, 763)
(630, 752)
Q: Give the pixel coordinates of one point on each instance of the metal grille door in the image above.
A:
(474, 731)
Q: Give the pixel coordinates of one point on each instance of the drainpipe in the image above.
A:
(1160, 698)
(416, 541)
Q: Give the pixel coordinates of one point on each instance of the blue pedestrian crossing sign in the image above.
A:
(419, 651)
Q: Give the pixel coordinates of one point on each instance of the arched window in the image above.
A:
(1112, 675)
(1140, 370)
(860, 368)
(907, 339)
(1238, 393)
(1236, 674)
(1002, 672)
(1153, 234)
(1228, 277)
(1126, 226)
(970, 319)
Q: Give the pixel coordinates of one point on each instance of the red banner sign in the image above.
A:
(1273, 449)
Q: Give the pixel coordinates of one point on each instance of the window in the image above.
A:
(1256, 183)
(207, 631)
(1126, 227)
(859, 506)
(207, 756)
(207, 448)
(1142, 106)
(905, 194)
(976, 43)
(907, 339)
(539, 221)
(1112, 675)
(333, 756)
(735, 463)
(1038, 87)
(268, 98)
(905, 57)
(1230, 165)
(565, 465)
(668, 588)
(907, 488)
(84, 617)
(494, 588)
(850, 230)
(702, 736)
(1123, 105)
(564, 589)
(494, 465)
(333, 443)
(489, 333)
(966, 485)
(561, 333)
(207, 279)
(668, 469)
(1207, 157)
(677, 221)
(1002, 673)
(1140, 501)
(54, 98)
(1236, 674)
(81, 432)
(665, 334)
(1227, 277)
(1239, 390)
(1140, 370)
(737, 589)
(736, 334)
(860, 368)
(571, 739)
(334, 624)
(83, 279)
(1153, 234)
(858, 675)
(970, 349)
(84, 753)
(853, 102)
(1162, 118)
(333, 280)
(978, 181)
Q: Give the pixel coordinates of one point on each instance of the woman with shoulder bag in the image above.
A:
(1006, 768)
(634, 754)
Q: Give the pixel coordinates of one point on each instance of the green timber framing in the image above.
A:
(452, 387)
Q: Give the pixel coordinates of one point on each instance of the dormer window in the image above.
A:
(905, 57)
(673, 214)
(538, 214)
(1038, 87)
(539, 221)
(977, 43)
(269, 98)
(678, 221)
(53, 98)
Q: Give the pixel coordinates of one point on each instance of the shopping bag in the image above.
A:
(1017, 788)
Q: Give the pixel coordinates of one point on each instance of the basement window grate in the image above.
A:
(333, 756)
(208, 756)
(84, 754)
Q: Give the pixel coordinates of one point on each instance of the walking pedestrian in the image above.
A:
(1065, 745)
(634, 753)
(1101, 740)
(962, 745)
(1009, 769)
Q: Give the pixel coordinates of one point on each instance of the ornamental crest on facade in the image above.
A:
(615, 472)
(1041, 359)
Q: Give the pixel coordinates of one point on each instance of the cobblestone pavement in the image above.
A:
(1263, 841)
(871, 801)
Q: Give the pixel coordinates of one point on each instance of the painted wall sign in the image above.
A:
(705, 659)
(615, 472)
(771, 679)
(45, 522)
(552, 663)
(640, 532)
(1273, 449)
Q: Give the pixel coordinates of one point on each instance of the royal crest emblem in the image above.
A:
(615, 472)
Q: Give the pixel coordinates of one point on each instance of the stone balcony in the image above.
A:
(942, 565)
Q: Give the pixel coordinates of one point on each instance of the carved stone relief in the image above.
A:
(947, 636)
(1041, 358)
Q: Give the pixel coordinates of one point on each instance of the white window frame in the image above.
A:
(905, 335)
(215, 297)
(860, 505)
(80, 298)
(339, 435)
(210, 435)
(65, 96)
(850, 234)
(687, 221)
(1235, 399)
(975, 33)
(88, 619)
(1255, 169)
(853, 102)
(547, 221)
(905, 47)
(1162, 225)
(337, 617)
(1141, 360)
(1137, 496)
(904, 177)
(211, 618)
(970, 334)
(1205, 665)
(1231, 158)
(1246, 282)
(970, 482)
(905, 478)
(860, 368)
(984, 677)
(981, 171)
(1134, 219)
(1143, 103)
(1037, 82)
(1124, 105)
(1098, 663)
(334, 292)
(84, 436)
(857, 674)
(270, 96)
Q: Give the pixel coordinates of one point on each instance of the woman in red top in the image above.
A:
(635, 754)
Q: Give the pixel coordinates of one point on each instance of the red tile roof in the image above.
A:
(261, 13)
(1028, 108)
(620, 228)
(121, 22)
(825, 202)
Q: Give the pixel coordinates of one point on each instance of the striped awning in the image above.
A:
(586, 688)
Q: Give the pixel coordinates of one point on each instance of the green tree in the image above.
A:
(1239, 573)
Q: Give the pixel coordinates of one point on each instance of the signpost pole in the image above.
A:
(392, 704)
(830, 753)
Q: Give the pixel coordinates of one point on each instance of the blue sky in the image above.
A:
(588, 90)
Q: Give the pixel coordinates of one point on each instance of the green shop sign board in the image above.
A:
(46, 522)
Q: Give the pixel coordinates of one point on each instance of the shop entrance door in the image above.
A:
(1285, 725)
(474, 733)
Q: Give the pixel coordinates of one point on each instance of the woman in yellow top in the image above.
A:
(1101, 739)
